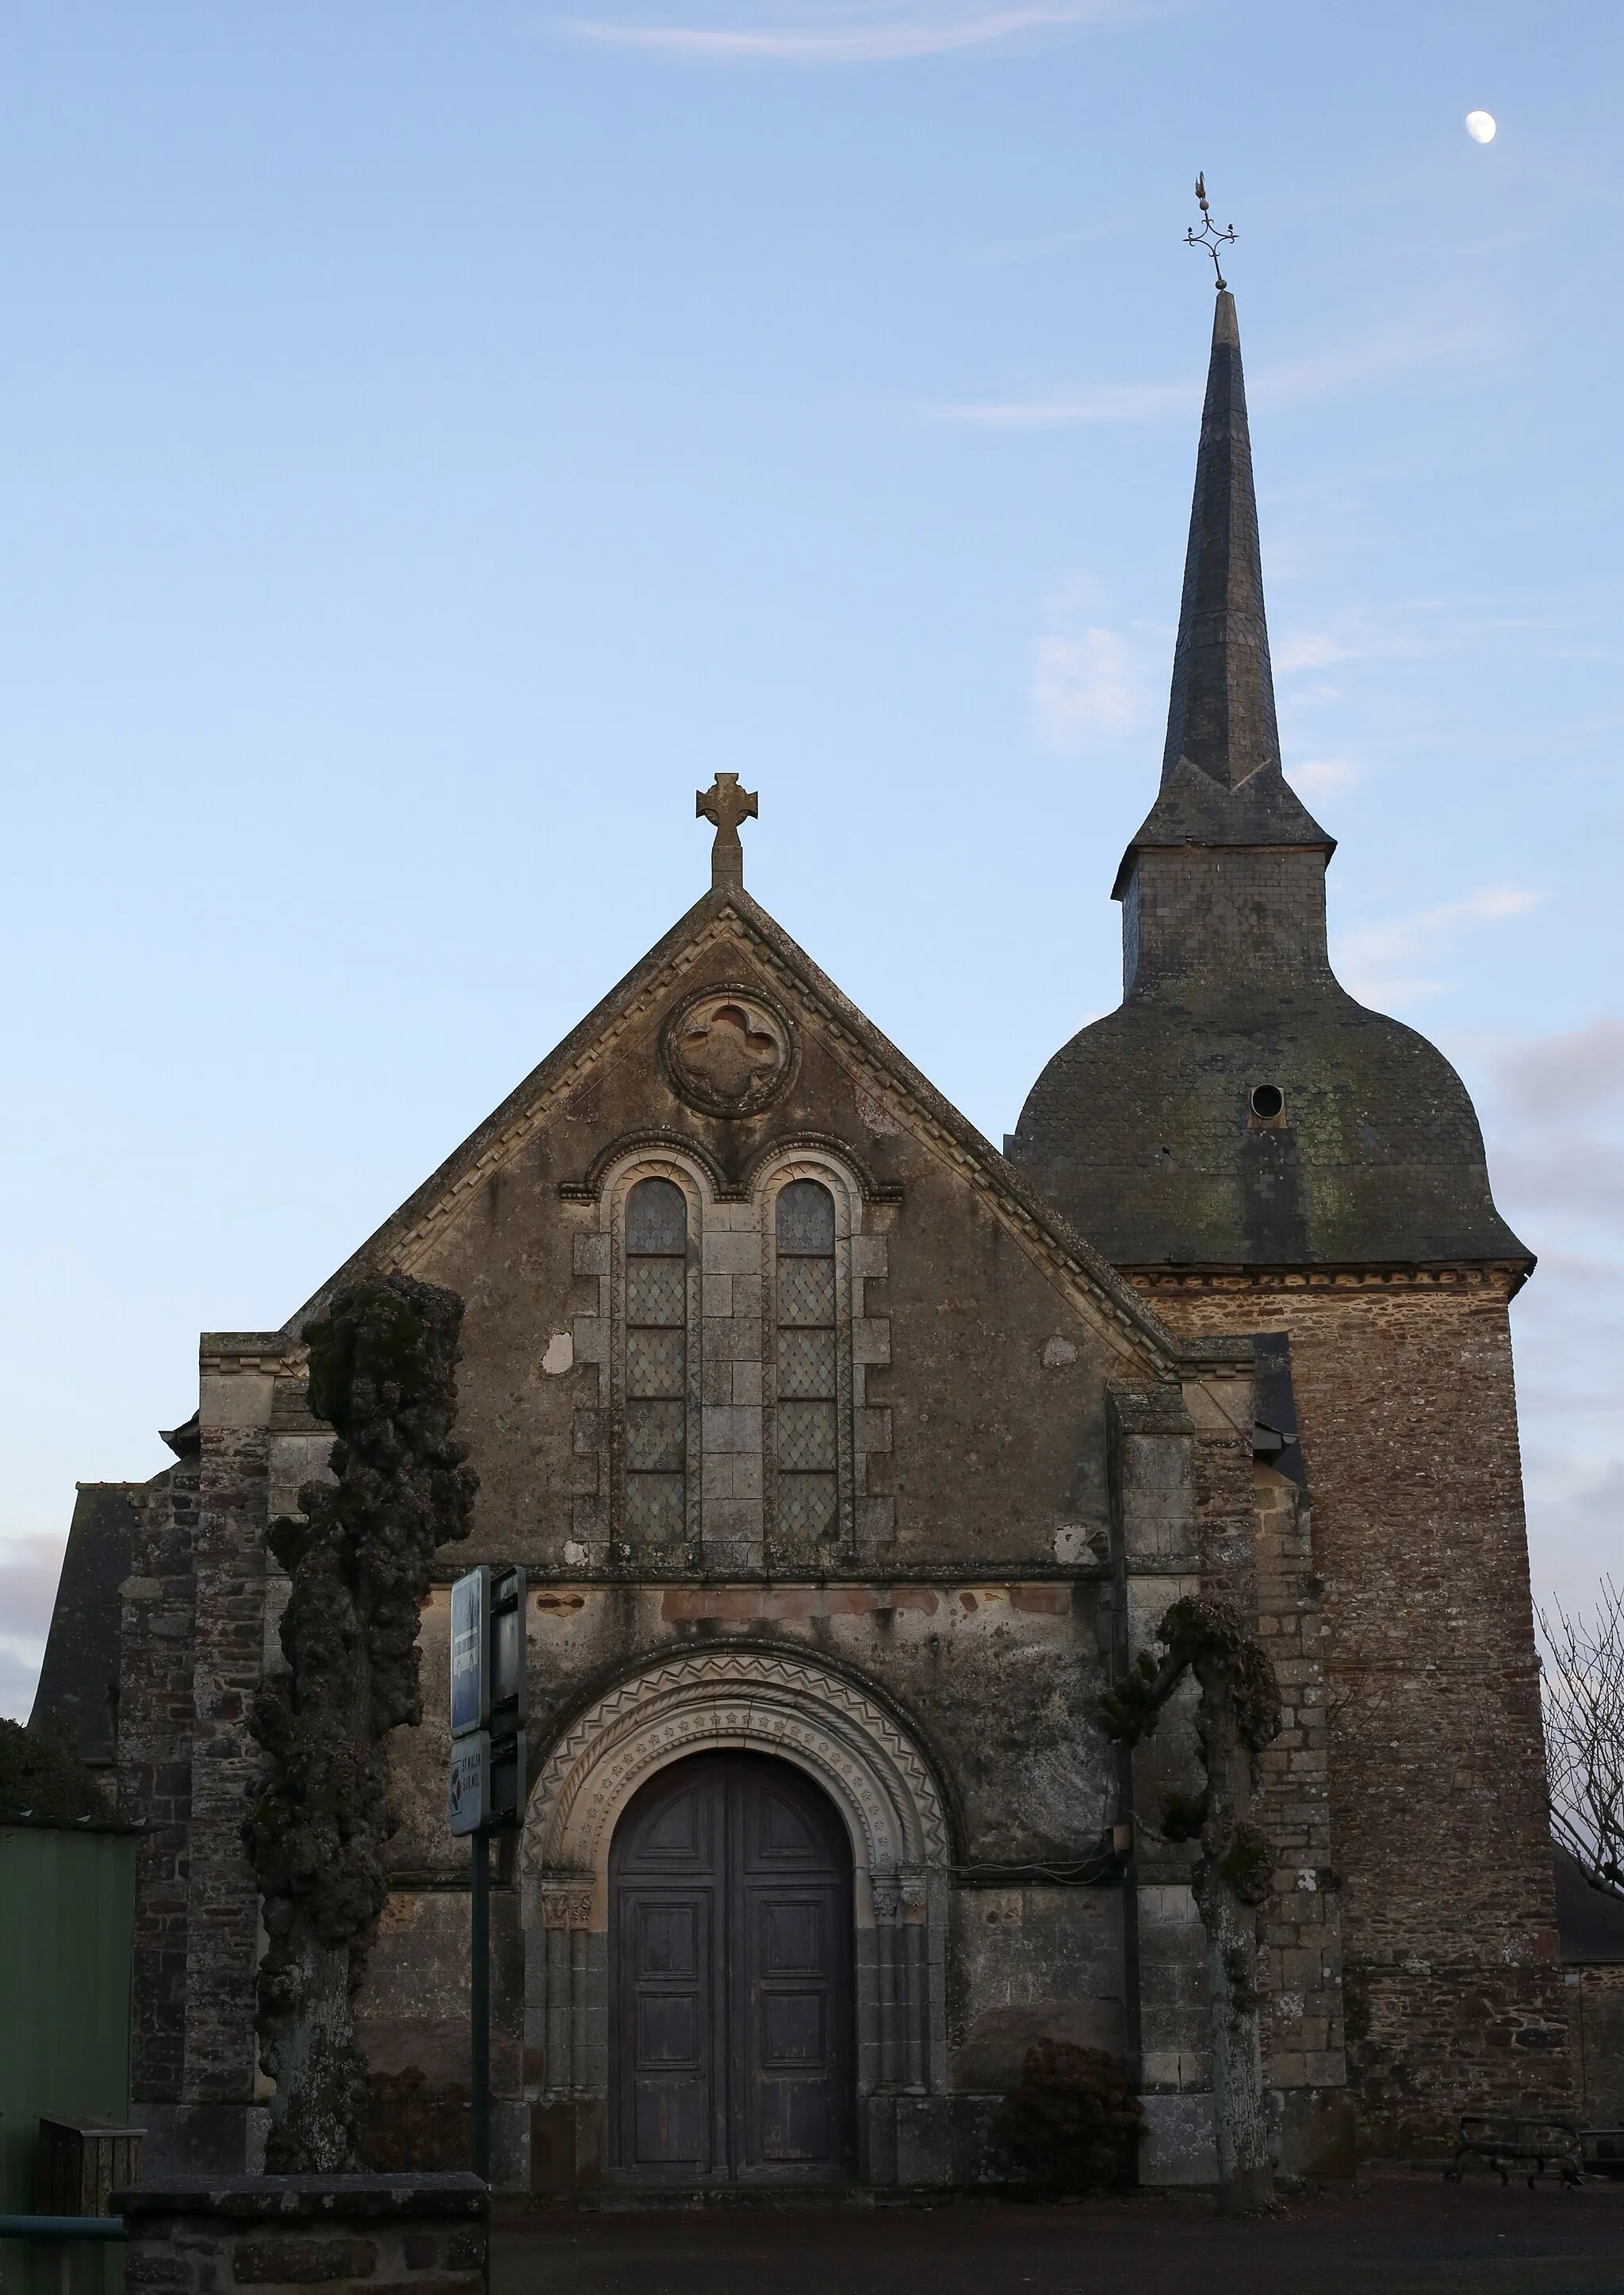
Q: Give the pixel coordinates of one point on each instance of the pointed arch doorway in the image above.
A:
(730, 1990)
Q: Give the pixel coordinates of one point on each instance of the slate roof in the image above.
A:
(1221, 782)
(77, 1692)
(1138, 1130)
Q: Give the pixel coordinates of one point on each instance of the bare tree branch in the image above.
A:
(1582, 1686)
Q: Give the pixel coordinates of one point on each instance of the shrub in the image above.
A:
(1071, 2122)
(410, 2128)
(41, 1776)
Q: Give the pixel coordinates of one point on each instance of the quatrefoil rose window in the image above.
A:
(729, 1051)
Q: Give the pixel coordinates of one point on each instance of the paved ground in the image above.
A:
(1402, 2233)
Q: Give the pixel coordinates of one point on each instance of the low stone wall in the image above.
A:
(276, 2234)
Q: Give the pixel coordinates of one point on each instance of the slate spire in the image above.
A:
(1221, 715)
(1222, 783)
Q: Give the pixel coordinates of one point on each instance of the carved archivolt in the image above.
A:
(786, 1705)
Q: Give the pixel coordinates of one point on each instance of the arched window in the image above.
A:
(656, 1363)
(806, 1446)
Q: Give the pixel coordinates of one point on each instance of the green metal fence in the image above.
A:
(66, 1929)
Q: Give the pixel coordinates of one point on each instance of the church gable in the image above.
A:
(838, 1457)
(744, 1293)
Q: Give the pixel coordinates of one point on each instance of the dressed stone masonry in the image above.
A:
(851, 1462)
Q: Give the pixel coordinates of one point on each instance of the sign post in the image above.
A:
(485, 1787)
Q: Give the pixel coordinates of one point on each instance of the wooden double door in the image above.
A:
(731, 1976)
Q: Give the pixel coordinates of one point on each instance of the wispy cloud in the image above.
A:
(1037, 246)
(1089, 685)
(1557, 1114)
(1081, 685)
(1553, 1125)
(1580, 1178)
(29, 1568)
(1308, 649)
(1420, 629)
(1553, 1116)
(851, 31)
(1126, 402)
(1401, 346)
(1575, 1508)
(1377, 355)
(1578, 1072)
(1378, 959)
(1324, 776)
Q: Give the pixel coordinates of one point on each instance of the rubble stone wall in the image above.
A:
(275, 2235)
(1442, 1860)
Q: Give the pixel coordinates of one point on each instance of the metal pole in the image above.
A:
(480, 2050)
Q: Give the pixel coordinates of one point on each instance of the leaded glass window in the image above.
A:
(807, 1410)
(656, 1363)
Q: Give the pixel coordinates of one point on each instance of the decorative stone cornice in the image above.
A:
(1505, 1275)
(222, 1353)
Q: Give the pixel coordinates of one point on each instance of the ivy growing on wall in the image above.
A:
(383, 1362)
(1238, 1716)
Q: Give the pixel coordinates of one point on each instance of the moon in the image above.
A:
(1480, 126)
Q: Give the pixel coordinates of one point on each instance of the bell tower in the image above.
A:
(1259, 1152)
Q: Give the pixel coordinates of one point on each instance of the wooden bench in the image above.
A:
(1512, 2146)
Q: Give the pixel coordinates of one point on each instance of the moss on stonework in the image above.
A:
(1247, 1863)
(1183, 1815)
(1194, 1632)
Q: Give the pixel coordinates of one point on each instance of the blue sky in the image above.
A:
(437, 438)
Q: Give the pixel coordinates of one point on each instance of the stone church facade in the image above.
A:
(850, 1460)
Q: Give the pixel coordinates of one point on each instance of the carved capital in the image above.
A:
(567, 1904)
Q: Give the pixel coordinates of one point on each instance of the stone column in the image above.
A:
(222, 2128)
(155, 1728)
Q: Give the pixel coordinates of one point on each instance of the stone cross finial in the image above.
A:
(727, 804)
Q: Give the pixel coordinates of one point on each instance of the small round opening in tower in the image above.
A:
(1268, 1102)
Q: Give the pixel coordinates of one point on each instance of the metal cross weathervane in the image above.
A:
(1208, 238)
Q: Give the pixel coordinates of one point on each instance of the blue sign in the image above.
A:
(485, 1791)
(471, 1701)
(467, 1789)
(508, 1692)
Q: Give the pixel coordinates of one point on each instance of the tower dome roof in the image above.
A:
(1146, 1132)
